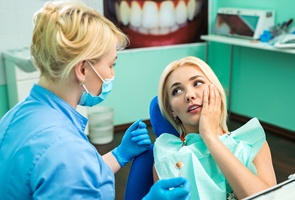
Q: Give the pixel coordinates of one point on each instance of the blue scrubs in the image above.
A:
(44, 153)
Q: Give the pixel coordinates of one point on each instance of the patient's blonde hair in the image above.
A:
(163, 96)
(68, 32)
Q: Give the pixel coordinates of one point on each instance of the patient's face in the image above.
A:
(185, 88)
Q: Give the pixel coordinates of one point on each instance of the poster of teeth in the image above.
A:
(150, 23)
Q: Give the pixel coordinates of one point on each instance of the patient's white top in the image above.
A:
(197, 164)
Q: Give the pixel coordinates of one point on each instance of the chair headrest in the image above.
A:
(159, 123)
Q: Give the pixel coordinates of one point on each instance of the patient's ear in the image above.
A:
(172, 112)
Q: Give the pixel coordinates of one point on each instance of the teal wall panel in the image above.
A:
(137, 75)
(263, 86)
(3, 100)
(219, 61)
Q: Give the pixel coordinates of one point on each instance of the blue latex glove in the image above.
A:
(135, 141)
(265, 36)
(169, 189)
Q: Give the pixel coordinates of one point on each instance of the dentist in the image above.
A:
(44, 153)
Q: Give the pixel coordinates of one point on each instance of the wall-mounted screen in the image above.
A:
(236, 25)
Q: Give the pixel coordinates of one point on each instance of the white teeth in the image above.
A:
(154, 31)
(191, 6)
(149, 19)
(125, 12)
(194, 107)
(180, 13)
(161, 31)
(143, 30)
(117, 10)
(156, 17)
(164, 31)
(174, 28)
(198, 7)
(136, 14)
(166, 15)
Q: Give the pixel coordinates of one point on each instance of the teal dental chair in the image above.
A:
(140, 178)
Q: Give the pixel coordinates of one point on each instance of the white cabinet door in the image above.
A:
(25, 81)
(24, 88)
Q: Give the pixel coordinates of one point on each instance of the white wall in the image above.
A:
(16, 22)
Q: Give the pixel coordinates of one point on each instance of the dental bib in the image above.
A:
(192, 159)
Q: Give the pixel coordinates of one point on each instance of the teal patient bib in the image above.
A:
(193, 160)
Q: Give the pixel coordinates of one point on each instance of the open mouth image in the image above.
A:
(158, 22)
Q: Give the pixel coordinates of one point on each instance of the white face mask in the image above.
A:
(88, 99)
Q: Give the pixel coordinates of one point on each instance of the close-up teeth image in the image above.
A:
(159, 22)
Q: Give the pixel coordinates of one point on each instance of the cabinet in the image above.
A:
(232, 41)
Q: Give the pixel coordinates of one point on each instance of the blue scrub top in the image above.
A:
(44, 153)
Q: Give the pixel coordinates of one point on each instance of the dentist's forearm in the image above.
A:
(111, 161)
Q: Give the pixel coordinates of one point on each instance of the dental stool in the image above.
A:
(140, 178)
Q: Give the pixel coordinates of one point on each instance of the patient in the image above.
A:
(219, 164)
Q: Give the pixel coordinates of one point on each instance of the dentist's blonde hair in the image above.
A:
(68, 32)
(163, 97)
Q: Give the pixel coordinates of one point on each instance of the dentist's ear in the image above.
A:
(171, 111)
(79, 71)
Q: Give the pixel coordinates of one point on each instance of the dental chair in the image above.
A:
(140, 178)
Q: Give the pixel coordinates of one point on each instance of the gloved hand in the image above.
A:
(135, 141)
(169, 189)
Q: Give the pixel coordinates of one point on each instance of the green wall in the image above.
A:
(136, 79)
(263, 86)
(263, 81)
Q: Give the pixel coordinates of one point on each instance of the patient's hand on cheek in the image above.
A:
(210, 114)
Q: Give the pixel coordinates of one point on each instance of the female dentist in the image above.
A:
(44, 153)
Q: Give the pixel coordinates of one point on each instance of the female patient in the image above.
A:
(220, 164)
